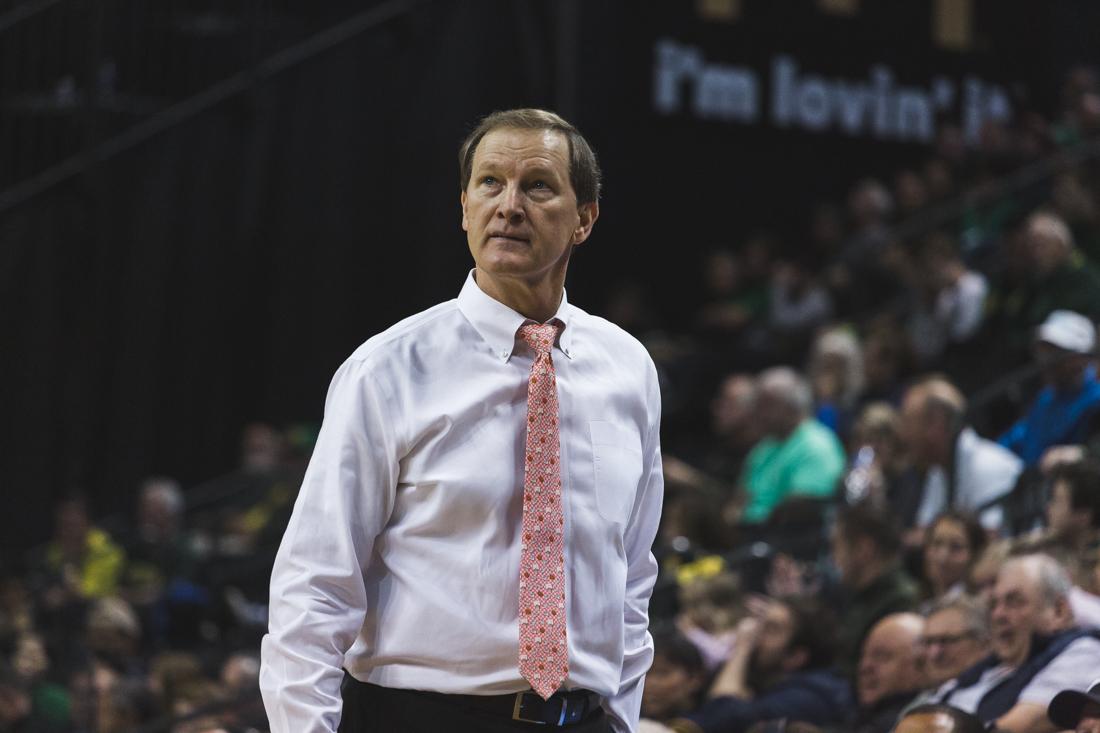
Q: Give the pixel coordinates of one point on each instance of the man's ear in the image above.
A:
(465, 220)
(796, 659)
(587, 213)
(1063, 613)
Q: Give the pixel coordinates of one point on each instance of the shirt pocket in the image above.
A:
(617, 469)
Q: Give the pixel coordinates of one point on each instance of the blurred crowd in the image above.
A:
(882, 462)
(882, 454)
(151, 621)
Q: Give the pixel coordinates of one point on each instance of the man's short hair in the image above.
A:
(584, 169)
(976, 535)
(938, 393)
(974, 613)
(812, 623)
(167, 490)
(964, 722)
(1052, 579)
(864, 521)
(1083, 480)
(1052, 225)
(788, 385)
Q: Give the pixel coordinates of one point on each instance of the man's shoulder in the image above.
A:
(824, 683)
(393, 341)
(814, 436)
(987, 455)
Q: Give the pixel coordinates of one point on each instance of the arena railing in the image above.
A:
(87, 80)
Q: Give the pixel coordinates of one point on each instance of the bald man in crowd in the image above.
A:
(890, 672)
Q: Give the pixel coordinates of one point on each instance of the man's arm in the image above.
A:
(1026, 717)
(318, 596)
(641, 574)
(1073, 669)
(1013, 438)
(732, 679)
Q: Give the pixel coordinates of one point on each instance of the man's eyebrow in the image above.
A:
(541, 170)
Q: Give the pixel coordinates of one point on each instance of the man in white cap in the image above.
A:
(1077, 711)
(1064, 411)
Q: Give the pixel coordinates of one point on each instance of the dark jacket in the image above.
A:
(880, 717)
(891, 592)
(820, 697)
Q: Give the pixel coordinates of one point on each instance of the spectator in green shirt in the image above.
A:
(798, 455)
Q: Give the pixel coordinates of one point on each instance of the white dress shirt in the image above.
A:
(401, 560)
(984, 472)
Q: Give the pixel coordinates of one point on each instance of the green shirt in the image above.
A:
(807, 463)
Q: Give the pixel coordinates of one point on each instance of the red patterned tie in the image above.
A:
(543, 653)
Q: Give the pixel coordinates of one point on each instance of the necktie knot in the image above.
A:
(540, 336)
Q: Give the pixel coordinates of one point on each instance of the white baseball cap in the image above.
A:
(1068, 330)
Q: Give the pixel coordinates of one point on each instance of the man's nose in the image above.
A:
(511, 205)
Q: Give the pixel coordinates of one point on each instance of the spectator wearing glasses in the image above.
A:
(956, 637)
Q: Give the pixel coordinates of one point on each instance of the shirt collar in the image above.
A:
(498, 324)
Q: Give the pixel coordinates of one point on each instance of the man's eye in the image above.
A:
(488, 180)
(540, 186)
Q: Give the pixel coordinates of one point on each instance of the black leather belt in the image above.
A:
(562, 709)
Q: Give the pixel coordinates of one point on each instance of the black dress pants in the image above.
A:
(373, 709)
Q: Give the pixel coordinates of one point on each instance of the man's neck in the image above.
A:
(785, 434)
(762, 681)
(537, 300)
(1070, 384)
(873, 572)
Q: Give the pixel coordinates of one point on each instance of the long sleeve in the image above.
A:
(318, 595)
(1013, 438)
(641, 531)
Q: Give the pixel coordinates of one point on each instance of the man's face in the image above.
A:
(1090, 719)
(1060, 368)
(1016, 612)
(669, 689)
(1044, 248)
(842, 552)
(947, 554)
(921, 429)
(889, 663)
(774, 414)
(950, 647)
(519, 210)
(732, 408)
(1060, 516)
(772, 644)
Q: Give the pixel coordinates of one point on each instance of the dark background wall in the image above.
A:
(220, 271)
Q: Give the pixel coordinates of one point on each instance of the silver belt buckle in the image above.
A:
(517, 710)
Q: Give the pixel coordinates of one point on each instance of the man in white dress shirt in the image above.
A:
(402, 561)
(962, 470)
